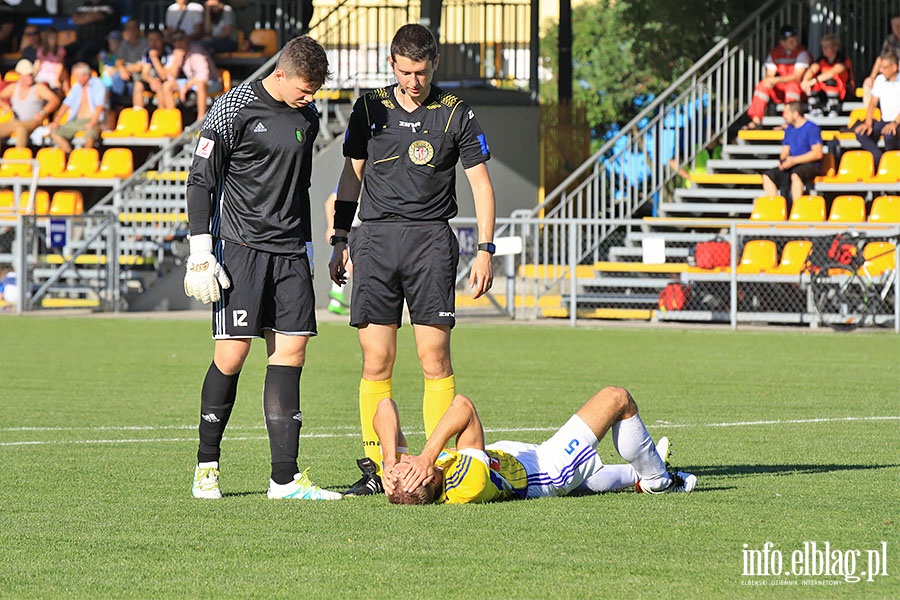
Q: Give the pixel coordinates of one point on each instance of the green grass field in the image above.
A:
(794, 436)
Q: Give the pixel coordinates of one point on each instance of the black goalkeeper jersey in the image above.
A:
(254, 156)
(411, 156)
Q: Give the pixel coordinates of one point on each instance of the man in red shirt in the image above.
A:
(785, 66)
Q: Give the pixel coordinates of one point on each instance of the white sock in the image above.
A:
(633, 443)
(611, 478)
(206, 465)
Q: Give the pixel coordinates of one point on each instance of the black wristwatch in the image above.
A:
(338, 239)
(488, 247)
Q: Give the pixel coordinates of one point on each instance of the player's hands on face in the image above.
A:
(203, 274)
(482, 276)
(337, 266)
(419, 471)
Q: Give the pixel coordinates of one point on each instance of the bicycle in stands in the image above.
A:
(852, 279)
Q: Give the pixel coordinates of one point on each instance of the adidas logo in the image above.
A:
(260, 128)
(210, 418)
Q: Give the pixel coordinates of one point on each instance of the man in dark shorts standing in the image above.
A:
(403, 143)
(248, 205)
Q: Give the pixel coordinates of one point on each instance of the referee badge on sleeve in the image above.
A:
(421, 152)
(205, 147)
(299, 133)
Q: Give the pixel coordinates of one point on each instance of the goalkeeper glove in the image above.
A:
(204, 274)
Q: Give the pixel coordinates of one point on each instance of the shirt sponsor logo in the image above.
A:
(421, 152)
(260, 128)
(414, 126)
(205, 147)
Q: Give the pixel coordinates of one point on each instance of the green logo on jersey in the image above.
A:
(299, 136)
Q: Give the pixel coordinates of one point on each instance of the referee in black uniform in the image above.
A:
(248, 206)
(403, 142)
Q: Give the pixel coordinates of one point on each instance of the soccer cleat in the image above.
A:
(337, 308)
(301, 488)
(369, 483)
(681, 482)
(206, 481)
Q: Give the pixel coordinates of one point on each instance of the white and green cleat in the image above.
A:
(301, 488)
(206, 481)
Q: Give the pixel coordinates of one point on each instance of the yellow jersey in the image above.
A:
(473, 476)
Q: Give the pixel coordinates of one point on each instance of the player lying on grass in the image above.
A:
(565, 464)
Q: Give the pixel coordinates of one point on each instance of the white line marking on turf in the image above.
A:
(354, 432)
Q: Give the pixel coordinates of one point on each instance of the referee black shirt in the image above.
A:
(254, 156)
(411, 156)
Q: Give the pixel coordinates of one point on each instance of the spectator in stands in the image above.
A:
(131, 51)
(93, 21)
(827, 80)
(30, 103)
(886, 95)
(50, 64)
(219, 32)
(153, 72)
(890, 45)
(186, 17)
(85, 104)
(801, 156)
(194, 70)
(11, 26)
(785, 66)
(31, 41)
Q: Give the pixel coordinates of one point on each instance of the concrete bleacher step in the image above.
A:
(730, 165)
(644, 281)
(823, 122)
(624, 314)
(684, 237)
(716, 193)
(717, 209)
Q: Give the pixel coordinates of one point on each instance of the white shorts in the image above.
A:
(559, 465)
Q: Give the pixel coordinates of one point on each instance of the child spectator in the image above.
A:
(194, 70)
(827, 80)
(50, 64)
(153, 72)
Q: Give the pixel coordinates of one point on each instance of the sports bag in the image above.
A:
(712, 254)
(674, 296)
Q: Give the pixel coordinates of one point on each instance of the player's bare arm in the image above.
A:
(460, 421)
(482, 276)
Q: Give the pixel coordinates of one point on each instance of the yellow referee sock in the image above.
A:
(439, 394)
(370, 394)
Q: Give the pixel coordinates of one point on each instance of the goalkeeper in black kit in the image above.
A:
(248, 206)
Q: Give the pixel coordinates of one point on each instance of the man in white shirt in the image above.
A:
(886, 95)
(185, 16)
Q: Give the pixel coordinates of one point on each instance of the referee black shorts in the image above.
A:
(395, 261)
(268, 291)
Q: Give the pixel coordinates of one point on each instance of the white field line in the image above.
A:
(353, 431)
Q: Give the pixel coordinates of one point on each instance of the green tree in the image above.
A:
(624, 51)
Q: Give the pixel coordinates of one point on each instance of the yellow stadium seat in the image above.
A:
(793, 258)
(859, 114)
(847, 209)
(116, 163)
(888, 168)
(10, 76)
(6, 115)
(131, 122)
(7, 205)
(769, 208)
(83, 162)
(17, 169)
(41, 203)
(856, 165)
(67, 202)
(880, 257)
(808, 208)
(885, 209)
(758, 256)
(164, 122)
(52, 162)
